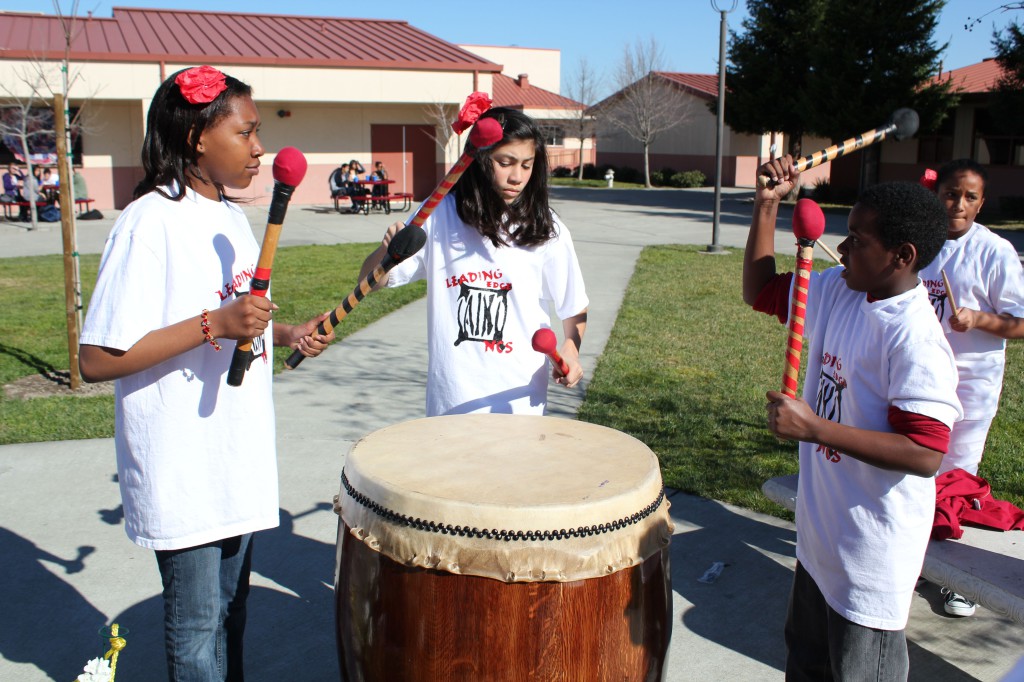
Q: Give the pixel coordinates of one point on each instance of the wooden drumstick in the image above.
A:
(949, 293)
(808, 225)
(830, 252)
(289, 169)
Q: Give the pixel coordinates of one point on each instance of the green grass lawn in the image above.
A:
(573, 182)
(308, 280)
(685, 370)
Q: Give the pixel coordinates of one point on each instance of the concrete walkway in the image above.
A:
(68, 568)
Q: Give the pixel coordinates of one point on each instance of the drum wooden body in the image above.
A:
(558, 570)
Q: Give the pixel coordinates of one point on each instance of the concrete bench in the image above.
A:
(986, 566)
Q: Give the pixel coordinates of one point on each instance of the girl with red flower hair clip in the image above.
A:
(496, 261)
(196, 463)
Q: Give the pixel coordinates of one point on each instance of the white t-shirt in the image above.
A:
(861, 530)
(195, 457)
(484, 304)
(985, 274)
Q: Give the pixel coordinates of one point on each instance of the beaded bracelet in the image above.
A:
(204, 322)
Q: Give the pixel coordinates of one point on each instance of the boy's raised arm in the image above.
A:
(759, 256)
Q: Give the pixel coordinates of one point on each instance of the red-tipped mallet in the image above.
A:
(808, 226)
(289, 169)
(545, 341)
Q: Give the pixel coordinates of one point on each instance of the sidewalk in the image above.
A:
(68, 568)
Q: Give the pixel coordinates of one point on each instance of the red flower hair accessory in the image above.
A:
(929, 179)
(476, 104)
(201, 84)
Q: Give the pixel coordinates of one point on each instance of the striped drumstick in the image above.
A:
(289, 169)
(410, 239)
(808, 225)
(405, 243)
(901, 125)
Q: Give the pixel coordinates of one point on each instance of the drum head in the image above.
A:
(512, 497)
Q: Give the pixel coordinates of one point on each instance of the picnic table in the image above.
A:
(380, 197)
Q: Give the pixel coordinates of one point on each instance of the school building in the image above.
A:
(967, 132)
(335, 88)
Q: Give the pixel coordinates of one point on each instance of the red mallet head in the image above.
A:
(289, 167)
(485, 132)
(808, 220)
(545, 341)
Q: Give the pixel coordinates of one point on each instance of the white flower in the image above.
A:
(96, 670)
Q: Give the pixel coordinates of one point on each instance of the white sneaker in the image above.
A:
(957, 604)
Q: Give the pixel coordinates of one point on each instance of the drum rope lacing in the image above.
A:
(494, 534)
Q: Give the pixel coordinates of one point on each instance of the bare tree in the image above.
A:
(646, 103)
(29, 122)
(441, 115)
(582, 86)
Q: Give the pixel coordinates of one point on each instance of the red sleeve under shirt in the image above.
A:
(773, 299)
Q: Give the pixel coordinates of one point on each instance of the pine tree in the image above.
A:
(766, 77)
(874, 58)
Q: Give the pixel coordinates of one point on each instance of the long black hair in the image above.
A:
(173, 127)
(526, 221)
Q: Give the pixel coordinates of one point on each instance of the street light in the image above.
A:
(715, 247)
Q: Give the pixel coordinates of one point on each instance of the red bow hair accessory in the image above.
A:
(201, 84)
(929, 179)
(476, 104)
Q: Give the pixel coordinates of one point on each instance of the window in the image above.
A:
(936, 147)
(42, 143)
(554, 136)
(994, 147)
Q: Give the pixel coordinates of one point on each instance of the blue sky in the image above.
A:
(687, 30)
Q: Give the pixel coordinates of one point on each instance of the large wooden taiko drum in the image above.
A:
(493, 547)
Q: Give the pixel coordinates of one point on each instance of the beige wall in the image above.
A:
(542, 64)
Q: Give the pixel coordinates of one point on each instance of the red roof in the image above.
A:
(520, 94)
(701, 84)
(150, 35)
(976, 78)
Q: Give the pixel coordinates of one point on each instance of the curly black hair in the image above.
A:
(957, 165)
(907, 212)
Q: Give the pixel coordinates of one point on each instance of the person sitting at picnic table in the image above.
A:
(379, 174)
(355, 190)
(11, 179)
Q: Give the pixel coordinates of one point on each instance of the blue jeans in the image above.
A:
(822, 645)
(205, 589)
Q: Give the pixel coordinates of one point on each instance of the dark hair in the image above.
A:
(957, 165)
(173, 127)
(907, 212)
(480, 206)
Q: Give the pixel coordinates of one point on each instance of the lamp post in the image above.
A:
(715, 247)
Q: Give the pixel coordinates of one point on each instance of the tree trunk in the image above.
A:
(796, 144)
(582, 142)
(647, 165)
